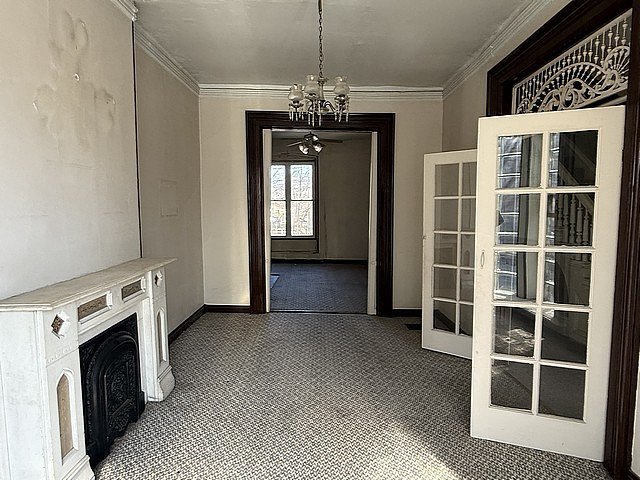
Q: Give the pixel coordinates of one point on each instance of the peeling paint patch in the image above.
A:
(76, 112)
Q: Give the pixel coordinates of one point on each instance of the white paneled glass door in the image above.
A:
(548, 201)
(448, 251)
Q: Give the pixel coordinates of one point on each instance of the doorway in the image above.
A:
(320, 189)
(383, 127)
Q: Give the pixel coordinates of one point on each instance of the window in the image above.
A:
(293, 200)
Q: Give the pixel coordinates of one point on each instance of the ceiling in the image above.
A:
(412, 43)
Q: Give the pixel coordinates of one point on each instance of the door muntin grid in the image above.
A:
(541, 318)
(454, 248)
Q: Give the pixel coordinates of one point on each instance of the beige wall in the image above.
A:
(68, 167)
(224, 192)
(467, 103)
(343, 203)
(169, 158)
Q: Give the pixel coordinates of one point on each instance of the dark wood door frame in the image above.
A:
(381, 123)
(575, 22)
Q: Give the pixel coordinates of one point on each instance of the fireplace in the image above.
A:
(78, 361)
(111, 389)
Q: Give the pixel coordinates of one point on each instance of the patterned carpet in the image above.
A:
(319, 287)
(317, 396)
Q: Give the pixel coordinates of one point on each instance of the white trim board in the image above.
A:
(281, 91)
(150, 45)
(503, 35)
(128, 8)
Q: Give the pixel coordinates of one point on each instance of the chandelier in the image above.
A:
(308, 101)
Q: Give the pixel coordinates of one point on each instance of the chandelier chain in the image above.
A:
(320, 52)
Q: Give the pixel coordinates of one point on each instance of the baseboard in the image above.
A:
(319, 260)
(186, 324)
(316, 312)
(227, 308)
(406, 312)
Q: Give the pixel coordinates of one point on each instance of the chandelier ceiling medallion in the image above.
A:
(308, 101)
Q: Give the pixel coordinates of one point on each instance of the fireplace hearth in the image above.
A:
(111, 388)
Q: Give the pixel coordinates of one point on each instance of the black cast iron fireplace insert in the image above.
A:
(111, 387)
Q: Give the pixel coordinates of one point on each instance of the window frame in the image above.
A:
(288, 163)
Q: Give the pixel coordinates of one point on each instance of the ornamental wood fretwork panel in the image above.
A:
(590, 72)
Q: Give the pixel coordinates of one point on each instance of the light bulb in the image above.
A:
(311, 88)
(341, 88)
(304, 149)
(295, 93)
(318, 147)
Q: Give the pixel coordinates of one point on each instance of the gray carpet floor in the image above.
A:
(323, 287)
(317, 396)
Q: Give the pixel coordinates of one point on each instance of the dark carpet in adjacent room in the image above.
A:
(319, 397)
(319, 287)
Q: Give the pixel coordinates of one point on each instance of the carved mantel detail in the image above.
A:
(590, 72)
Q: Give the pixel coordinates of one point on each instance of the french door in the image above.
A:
(548, 201)
(448, 251)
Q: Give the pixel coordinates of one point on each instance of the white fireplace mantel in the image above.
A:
(41, 408)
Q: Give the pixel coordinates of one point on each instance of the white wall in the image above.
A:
(169, 158)
(467, 102)
(68, 171)
(224, 192)
(343, 203)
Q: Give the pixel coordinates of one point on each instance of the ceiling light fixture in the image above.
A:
(308, 100)
(309, 143)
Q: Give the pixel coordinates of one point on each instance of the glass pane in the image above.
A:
(564, 336)
(516, 275)
(447, 180)
(466, 320)
(444, 283)
(514, 331)
(466, 285)
(511, 384)
(301, 219)
(444, 316)
(567, 278)
(278, 189)
(518, 219)
(445, 249)
(468, 215)
(301, 182)
(446, 215)
(467, 250)
(570, 219)
(278, 218)
(519, 161)
(562, 392)
(573, 158)
(469, 178)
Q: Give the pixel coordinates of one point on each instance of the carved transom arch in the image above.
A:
(590, 72)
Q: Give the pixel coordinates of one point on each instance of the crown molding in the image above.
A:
(149, 44)
(505, 33)
(281, 91)
(397, 93)
(128, 8)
